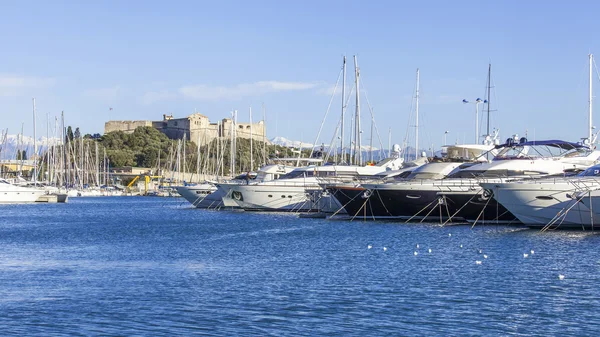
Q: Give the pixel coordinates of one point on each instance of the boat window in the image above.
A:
(292, 175)
(494, 173)
(426, 175)
(581, 152)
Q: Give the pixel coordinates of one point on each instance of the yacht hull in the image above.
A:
(203, 195)
(412, 201)
(540, 205)
(274, 198)
(355, 201)
(473, 205)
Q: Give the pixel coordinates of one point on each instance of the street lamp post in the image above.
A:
(477, 102)
(445, 136)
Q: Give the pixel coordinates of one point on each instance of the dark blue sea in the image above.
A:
(135, 266)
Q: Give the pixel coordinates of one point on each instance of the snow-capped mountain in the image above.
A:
(282, 141)
(12, 143)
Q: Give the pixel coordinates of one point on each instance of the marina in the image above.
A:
(316, 168)
(131, 265)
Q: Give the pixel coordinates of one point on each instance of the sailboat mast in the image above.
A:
(417, 118)
(251, 151)
(357, 144)
(371, 140)
(97, 163)
(342, 154)
(48, 149)
(264, 135)
(232, 154)
(34, 147)
(389, 142)
(489, 86)
(591, 127)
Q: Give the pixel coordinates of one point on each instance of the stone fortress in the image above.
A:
(195, 127)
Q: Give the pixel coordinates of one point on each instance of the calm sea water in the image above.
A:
(136, 266)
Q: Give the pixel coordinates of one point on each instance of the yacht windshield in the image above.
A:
(540, 151)
(426, 175)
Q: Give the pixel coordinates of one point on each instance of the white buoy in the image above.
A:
(477, 262)
(415, 253)
(484, 256)
(561, 276)
(369, 247)
(532, 252)
(460, 246)
(429, 250)
(417, 245)
(525, 255)
(384, 249)
(449, 234)
(480, 251)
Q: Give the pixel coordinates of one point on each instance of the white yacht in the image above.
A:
(558, 202)
(459, 194)
(215, 195)
(406, 196)
(14, 194)
(300, 190)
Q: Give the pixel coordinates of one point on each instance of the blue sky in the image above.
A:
(147, 58)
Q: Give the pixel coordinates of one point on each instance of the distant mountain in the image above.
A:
(12, 143)
(282, 141)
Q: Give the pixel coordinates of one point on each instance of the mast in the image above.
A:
(64, 149)
(97, 164)
(417, 119)
(389, 142)
(489, 86)
(251, 152)
(342, 154)
(264, 135)
(357, 144)
(371, 140)
(591, 128)
(34, 148)
(48, 148)
(104, 163)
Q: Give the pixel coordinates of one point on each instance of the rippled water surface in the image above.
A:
(151, 266)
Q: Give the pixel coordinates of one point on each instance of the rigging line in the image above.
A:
(432, 209)
(373, 118)
(331, 147)
(361, 207)
(463, 206)
(384, 207)
(346, 204)
(561, 214)
(596, 67)
(481, 213)
(422, 209)
(326, 113)
(410, 115)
